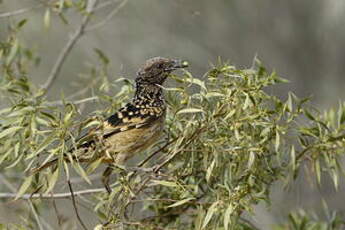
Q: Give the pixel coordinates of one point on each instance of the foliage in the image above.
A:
(227, 141)
(301, 220)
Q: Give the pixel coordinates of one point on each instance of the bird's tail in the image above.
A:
(54, 162)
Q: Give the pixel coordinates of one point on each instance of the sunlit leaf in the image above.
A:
(26, 184)
(9, 131)
(210, 214)
(181, 202)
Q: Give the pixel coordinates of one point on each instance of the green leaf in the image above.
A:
(289, 103)
(81, 172)
(309, 115)
(196, 81)
(9, 131)
(13, 52)
(21, 23)
(190, 110)
(102, 56)
(164, 183)
(246, 102)
(50, 139)
(251, 160)
(209, 170)
(46, 19)
(227, 216)
(293, 158)
(26, 184)
(181, 202)
(317, 169)
(210, 214)
(52, 180)
(277, 142)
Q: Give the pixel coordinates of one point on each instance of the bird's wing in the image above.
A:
(128, 117)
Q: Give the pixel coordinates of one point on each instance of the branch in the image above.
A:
(108, 17)
(105, 4)
(69, 46)
(20, 11)
(35, 215)
(196, 133)
(76, 102)
(52, 196)
(75, 205)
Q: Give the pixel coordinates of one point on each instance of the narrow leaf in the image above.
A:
(9, 131)
(227, 216)
(26, 184)
(52, 180)
(181, 202)
(165, 183)
(190, 110)
(209, 214)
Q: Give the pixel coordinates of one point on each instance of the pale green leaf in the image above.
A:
(227, 216)
(251, 160)
(13, 52)
(26, 184)
(190, 110)
(9, 131)
(277, 142)
(210, 214)
(52, 180)
(181, 202)
(46, 19)
(209, 170)
(164, 183)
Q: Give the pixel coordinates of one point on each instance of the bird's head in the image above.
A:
(157, 69)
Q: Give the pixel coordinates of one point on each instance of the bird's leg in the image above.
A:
(106, 177)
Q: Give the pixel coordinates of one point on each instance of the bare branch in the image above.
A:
(108, 17)
(75, 205)
(69, 45)
(82, 101)
(52, 196)
(35, 215)
(20, 11)
(105, 4)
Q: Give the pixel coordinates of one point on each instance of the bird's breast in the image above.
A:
(125, 144)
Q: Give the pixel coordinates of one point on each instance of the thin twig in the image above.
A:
(75, 206)
(105, 4)
(7, 183)
(52, 196)
(249, 223)
(193, 136)
(154, 153)
(58, 216)
(20, 11)
(81, 101)
(35, 215)
(108, 17)
(69, 46)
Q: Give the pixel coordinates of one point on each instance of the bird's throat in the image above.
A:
(149, 94)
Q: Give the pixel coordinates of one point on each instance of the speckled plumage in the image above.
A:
(138, 124)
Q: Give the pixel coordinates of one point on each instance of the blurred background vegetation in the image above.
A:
(303, 41)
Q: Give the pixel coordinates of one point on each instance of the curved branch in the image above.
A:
(20, 11)
(69, 46)
(52, 196)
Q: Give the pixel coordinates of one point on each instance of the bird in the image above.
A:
(133, 128)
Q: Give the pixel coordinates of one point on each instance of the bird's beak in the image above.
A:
(178, 64)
